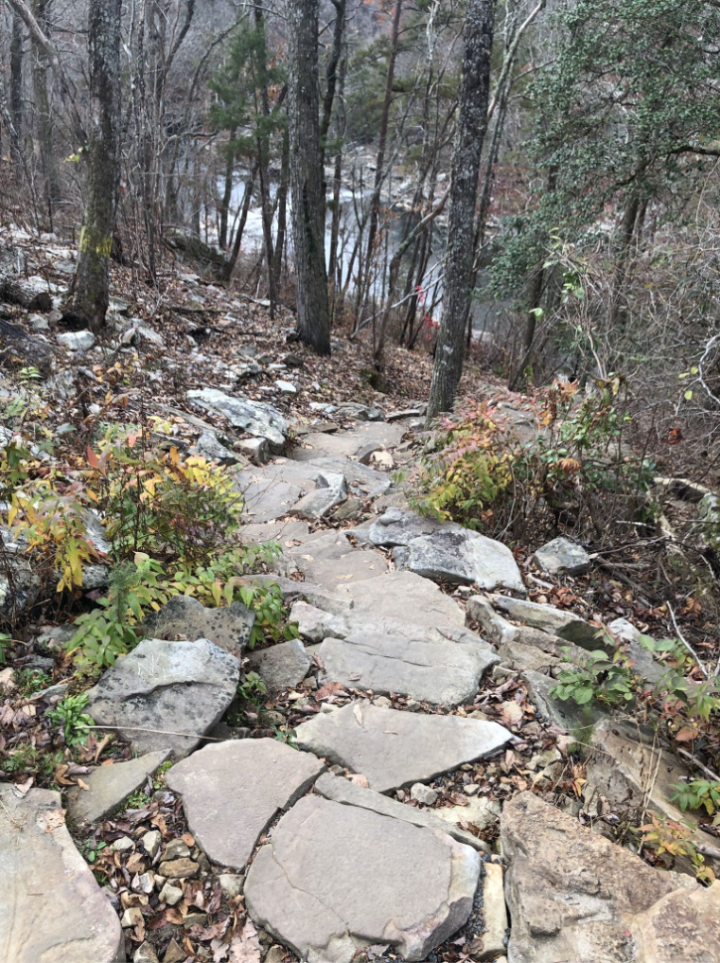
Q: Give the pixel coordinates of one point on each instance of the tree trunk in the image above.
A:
(43, 111)
(382, 141)
(263, 147)
(89, 297)
(331, 74)
(227, 195)
(247, 197)
(306, 176)
(282, 212)
(16, 75)
(471, 129)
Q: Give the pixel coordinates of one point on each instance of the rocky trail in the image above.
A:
(405, 789)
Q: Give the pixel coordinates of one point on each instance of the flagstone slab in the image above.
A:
(394, 749)
(233, 790)
(334, 880)
(342, 790)
(329, 560)
(109, 786)
(401, 595)
(442, 673)
(51, 908)
(347, 444)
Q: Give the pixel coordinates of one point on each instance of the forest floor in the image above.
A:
(180, 896)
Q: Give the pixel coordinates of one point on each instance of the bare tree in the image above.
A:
(306, 176)
(470, 135)
(89, 295)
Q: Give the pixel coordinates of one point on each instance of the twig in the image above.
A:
(160, 732)
(696, 762)
(685, 641)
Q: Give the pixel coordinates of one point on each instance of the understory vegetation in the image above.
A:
(115, 505)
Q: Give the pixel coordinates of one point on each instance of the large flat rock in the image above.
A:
(442, 673)
(394, 749)
(573, 895)
(163, 690)
(233, 790)
(344, 791)
(255, 417)
(401, 595)
(335, 879)
(109, 786)
(185, 618)
(51, 908)
(329, 560)
(462, 557)
(347, 444)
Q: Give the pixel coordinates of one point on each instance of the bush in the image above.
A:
(576, 474)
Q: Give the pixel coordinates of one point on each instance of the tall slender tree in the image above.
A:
(470, 135)
(89, 296)
(306, 176)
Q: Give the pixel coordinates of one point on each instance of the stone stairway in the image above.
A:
(404, 698)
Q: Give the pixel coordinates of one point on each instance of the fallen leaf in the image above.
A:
(357, 712)
(245, 946)
(23, 788)
(83, 785)
(686, 734)
(329, 689)
(511, 713)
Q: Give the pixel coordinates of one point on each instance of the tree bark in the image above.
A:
(90, 293)
(470, 135)
(382, 140)
(331, 74)
(306, 176)
(16, 75)
(43, 111)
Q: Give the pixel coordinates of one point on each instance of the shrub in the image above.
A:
(156, 502)
(574, 474)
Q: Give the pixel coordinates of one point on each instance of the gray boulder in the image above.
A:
(186, 618)
(442, 672)
(209, 446)
(461, 557)
(255, 417)
(644, 662)
(565, 625)
(331, 490)
(281, 666)
(51, 908)
(166, 695)
(573, 895)
(395, 749)
(77, 340)
(336, 879)
(563, 557)
(397, 527)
